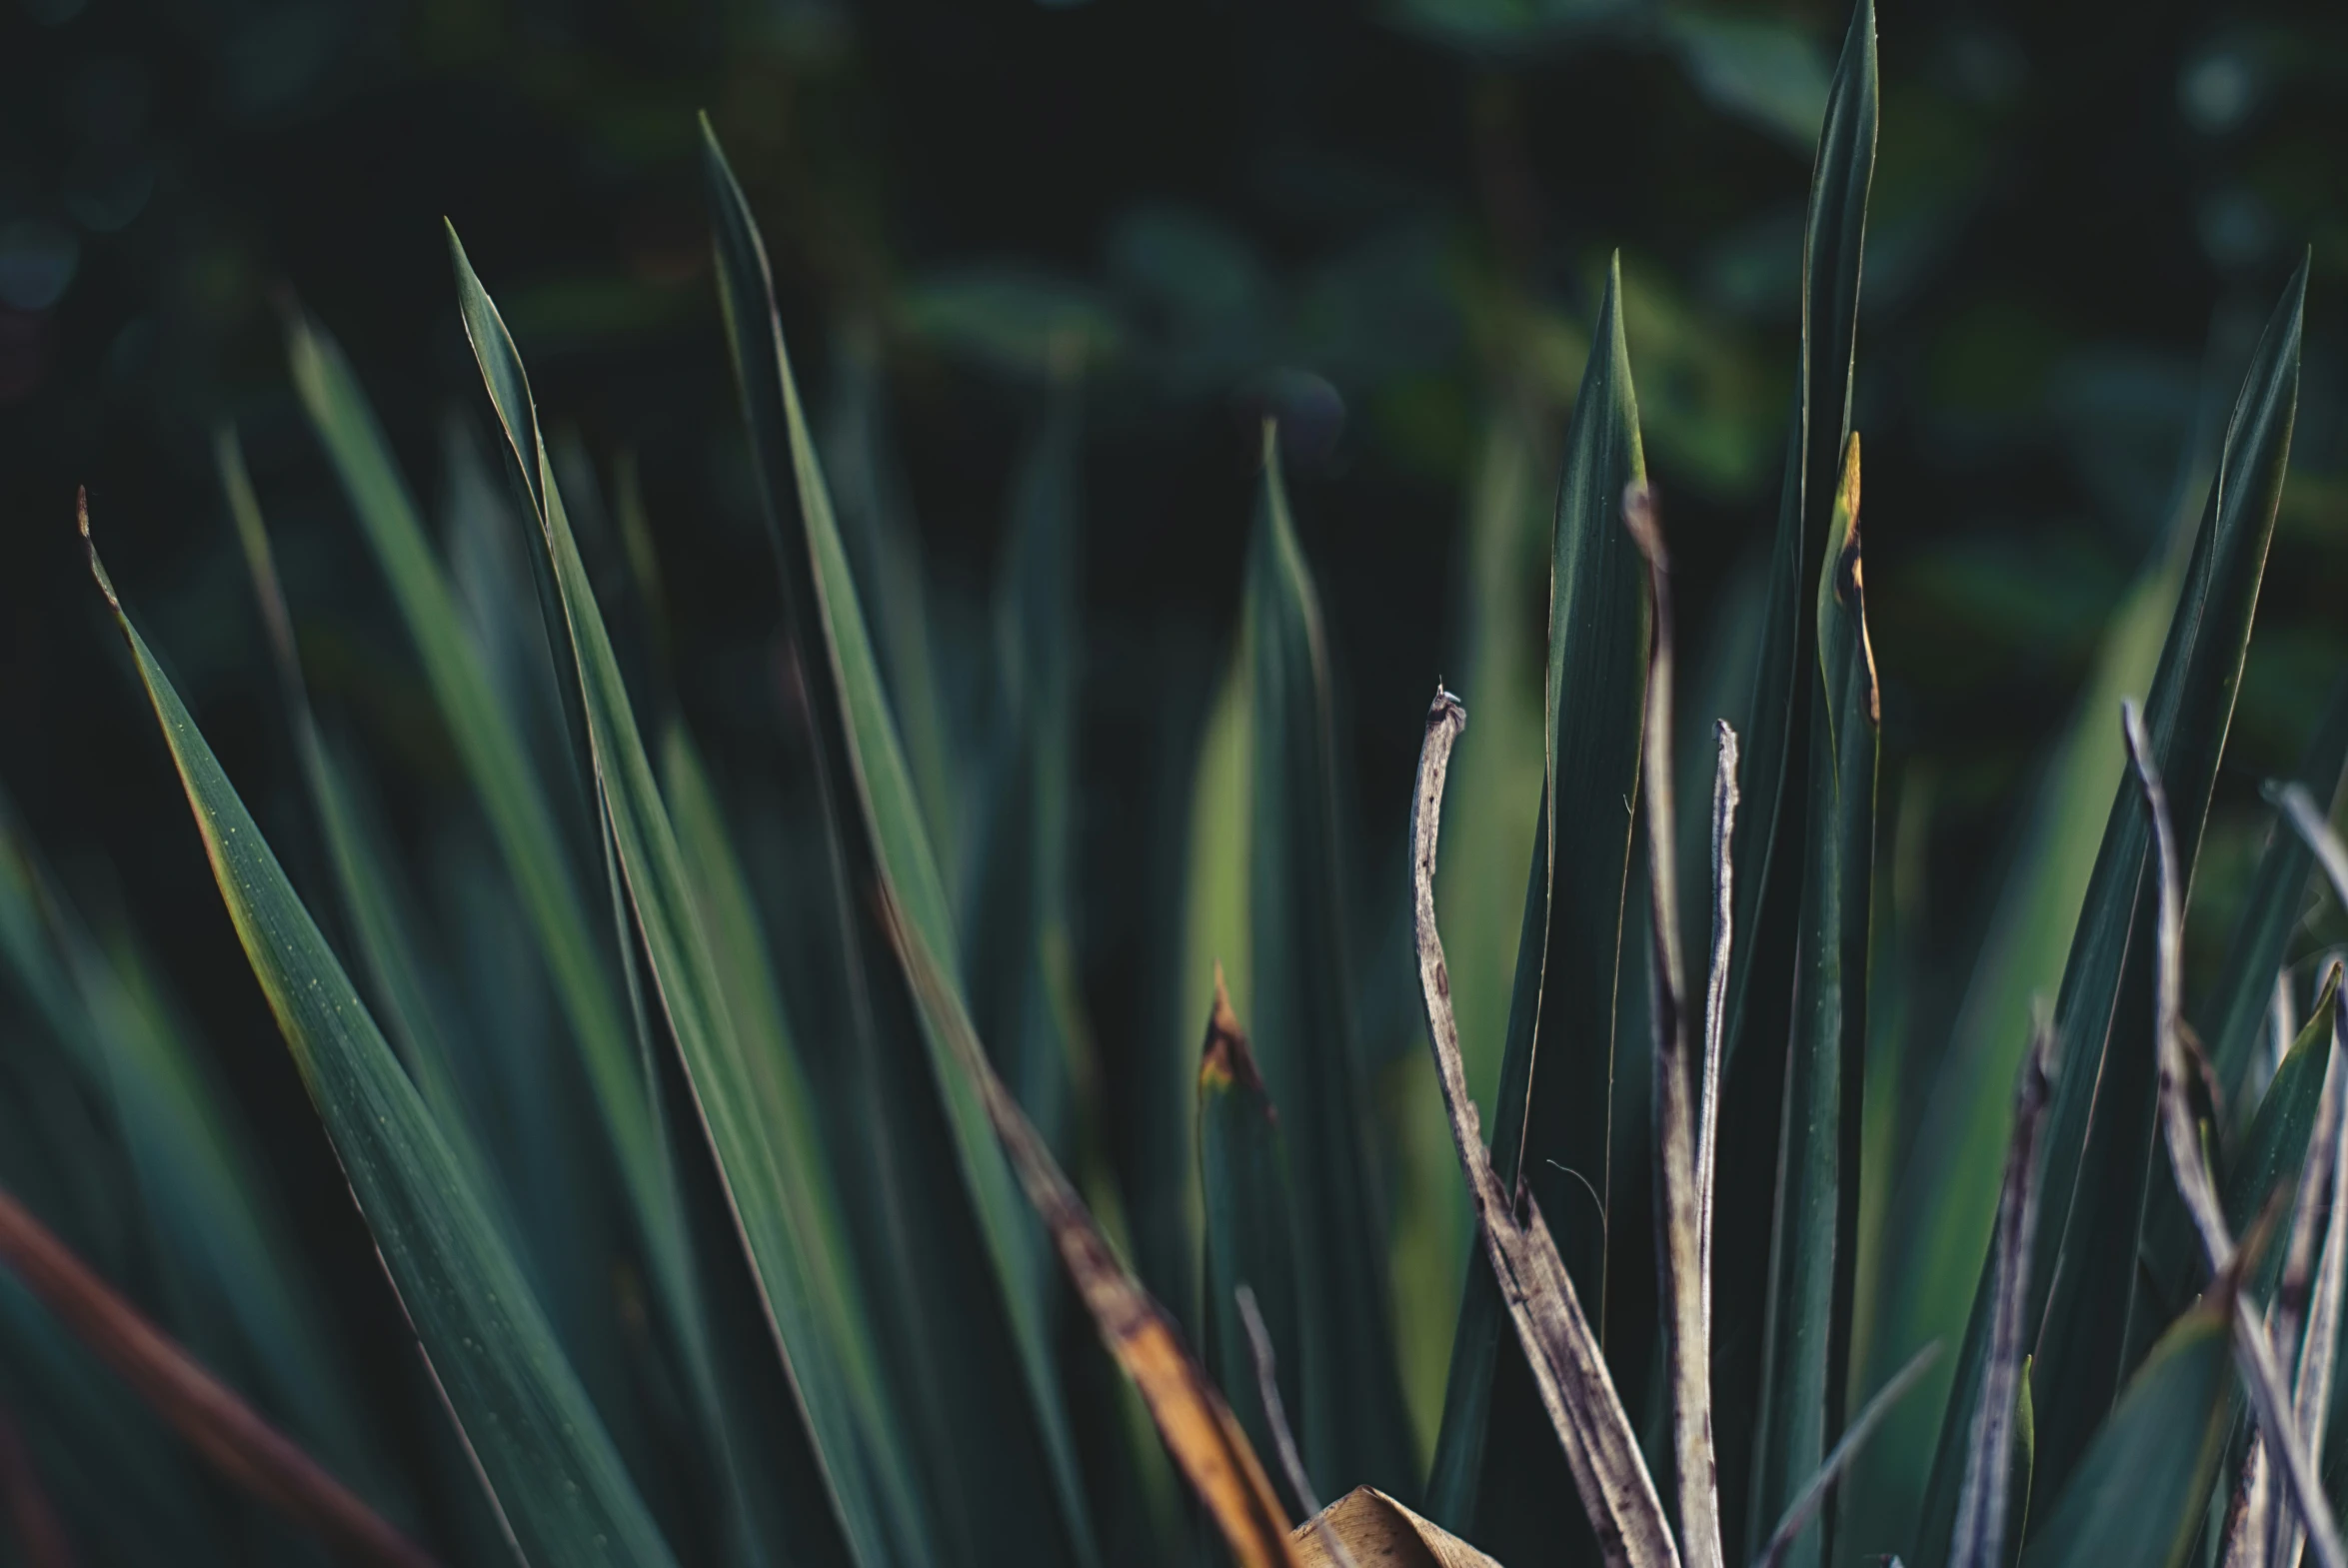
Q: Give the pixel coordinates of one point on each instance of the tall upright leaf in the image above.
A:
(1551, 1118)
(756, 1111)
(957, 1237)
(543, 1453)
(1771, 821)
(1353, 1427)
(1812, 1244)
(2099, 1132)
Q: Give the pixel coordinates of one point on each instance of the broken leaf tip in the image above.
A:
(81, 513)
(1227, 1059)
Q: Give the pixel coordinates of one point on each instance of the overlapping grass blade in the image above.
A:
(1814, 1240)
(1244, 1185)
(1351, 1414)
(1833, 241)
(514, 796)
(2136, 1495)
(1568, 1367)
(1776, 711)
(1553, 1105)
(1197, 1427)
(544, 1456)
(2082, 1268)
(752, 1105)
(989, 1356)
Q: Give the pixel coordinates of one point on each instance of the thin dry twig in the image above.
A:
(1568, 1366)
(1276, 1416)
(232, 1437)
(1681, 1187)
(1982, 1501)
(2253, 1349)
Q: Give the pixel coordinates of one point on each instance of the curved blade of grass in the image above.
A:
(1243, 1180)
(1199, 1432)
(1354, 1425)
(2082, 1268)
(2277, 1423)
(1571, 1371)
(1813, 1242)
(752, 1106)
(222, 1427)
(1682, 1212)
(2234, 1020)
(545, 1457)
(1552, 1110)
(976, 1233)
(2136, 1495)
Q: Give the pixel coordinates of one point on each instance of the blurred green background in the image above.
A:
(1384, 223)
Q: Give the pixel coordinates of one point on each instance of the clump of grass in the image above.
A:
(761, 1220)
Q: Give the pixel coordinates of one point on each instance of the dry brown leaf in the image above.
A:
(1378, 1532)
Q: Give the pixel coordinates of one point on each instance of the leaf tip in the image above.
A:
(1227, 1058)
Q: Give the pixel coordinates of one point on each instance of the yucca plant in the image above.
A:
(733, 1154)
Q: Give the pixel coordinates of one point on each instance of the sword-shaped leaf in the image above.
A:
(541, 1449)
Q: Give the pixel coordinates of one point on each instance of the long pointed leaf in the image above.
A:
(545, 1458)
(1026, 1487)
(1813, 1243)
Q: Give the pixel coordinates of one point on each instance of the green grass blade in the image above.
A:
(1813, 1242)
(2099, 1132)
(1353, 1425)
(1554, 1097)
(2233, 1022)
(884, 549)
(1244, 1181)
(2136, 1495)
(511, 793)
(541, 1451)
(1018, 913)
(752, 1106)
(977, 1230)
